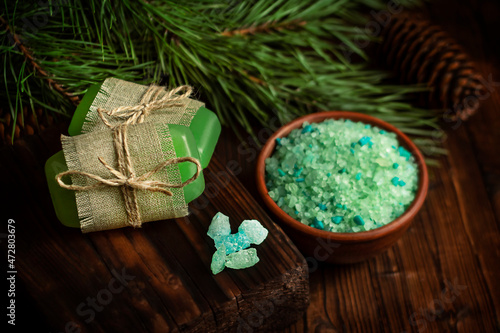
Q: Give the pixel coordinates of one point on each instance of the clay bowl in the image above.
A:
(342, 248)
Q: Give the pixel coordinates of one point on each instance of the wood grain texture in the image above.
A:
(442, 275)
(153, 279)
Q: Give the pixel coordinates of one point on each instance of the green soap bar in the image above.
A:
(205, 125)
(65, 201)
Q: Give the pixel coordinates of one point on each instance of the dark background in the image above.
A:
(453, 241)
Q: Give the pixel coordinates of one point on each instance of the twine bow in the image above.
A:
(125, 175)
(150, 102)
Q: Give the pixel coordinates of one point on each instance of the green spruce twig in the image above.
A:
(247, 59)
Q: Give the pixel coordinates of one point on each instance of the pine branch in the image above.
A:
(35, 65)
(248, 59)
(264, 27)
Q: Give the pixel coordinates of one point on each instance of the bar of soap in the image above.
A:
(64, 200)
(233, 249)
(205, 125)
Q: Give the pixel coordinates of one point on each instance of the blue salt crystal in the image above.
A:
(254, 231)
(242, 259)
(359, 220)
(218, 260)
(395, 181)
(358, 176)
(307, 129)
(322, 206)
(337, 219)
(401, 183)
(232, 249)
(219, 227)
(395, 166)
(300, 180)
(278, 141)
(364, 140)
(281, 172)
(318, 224)
(236, 242)
(403, 152)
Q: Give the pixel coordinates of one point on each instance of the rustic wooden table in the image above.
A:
(442, 274)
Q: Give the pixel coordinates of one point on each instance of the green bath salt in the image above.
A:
(341, 176)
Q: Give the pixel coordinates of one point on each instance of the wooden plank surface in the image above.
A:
(153, 279)
(442, 275)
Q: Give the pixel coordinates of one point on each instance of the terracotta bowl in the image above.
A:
(335, 247)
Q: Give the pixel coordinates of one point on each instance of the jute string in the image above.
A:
(149, 102)
(125, 174)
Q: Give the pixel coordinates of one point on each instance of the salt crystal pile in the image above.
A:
(233, 249)
(341, 176)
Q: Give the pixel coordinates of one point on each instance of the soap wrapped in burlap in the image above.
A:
(102, 208)
(115, 93)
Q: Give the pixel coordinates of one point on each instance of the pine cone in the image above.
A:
(423, 53)
(29, 124)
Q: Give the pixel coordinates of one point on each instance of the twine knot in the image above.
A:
(135, 114)
(125, 176)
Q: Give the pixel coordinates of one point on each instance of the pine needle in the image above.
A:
(248, 59)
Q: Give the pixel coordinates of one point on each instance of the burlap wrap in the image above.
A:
(115, 93)
(103, 208)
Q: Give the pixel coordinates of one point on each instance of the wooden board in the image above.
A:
(166, 283)
(443, 274)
